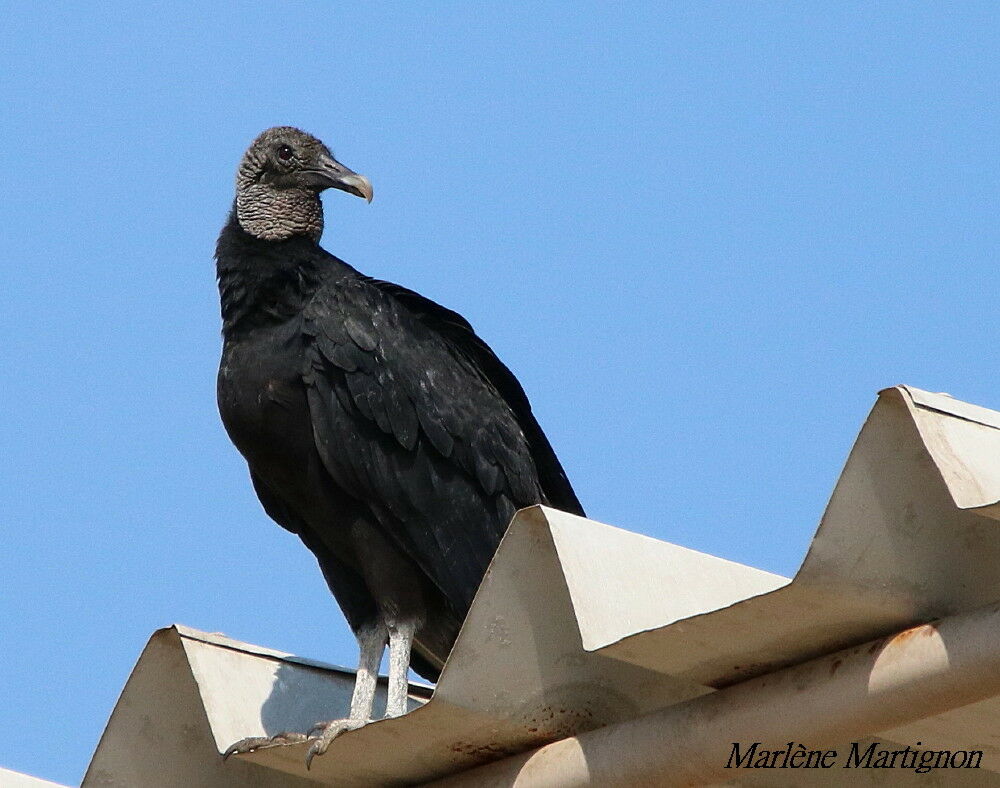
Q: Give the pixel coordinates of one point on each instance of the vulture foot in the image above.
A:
(323, 733)
(263, 742)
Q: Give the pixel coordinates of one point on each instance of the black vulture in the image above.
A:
(378, 427)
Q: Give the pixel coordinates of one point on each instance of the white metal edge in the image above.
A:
(957, 447)
(11, 779)
(618, 605)
(945, 403)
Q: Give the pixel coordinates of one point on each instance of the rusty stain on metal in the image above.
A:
(481, 753)
(924, 630)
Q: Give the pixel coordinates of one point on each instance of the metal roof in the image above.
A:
(579, 625)
(9, 779)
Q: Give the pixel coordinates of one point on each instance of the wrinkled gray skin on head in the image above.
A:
(278, 197)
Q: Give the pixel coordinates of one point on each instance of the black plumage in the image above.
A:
(377, 425)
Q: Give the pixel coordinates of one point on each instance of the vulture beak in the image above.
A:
(331, 174)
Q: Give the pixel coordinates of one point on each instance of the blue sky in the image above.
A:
(703, 236)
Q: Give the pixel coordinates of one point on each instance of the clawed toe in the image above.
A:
(322, 735)
(263, 742)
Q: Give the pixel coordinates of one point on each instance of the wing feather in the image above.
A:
(410, 427)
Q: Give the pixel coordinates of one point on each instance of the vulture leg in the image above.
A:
(371, 643)
(400, 641)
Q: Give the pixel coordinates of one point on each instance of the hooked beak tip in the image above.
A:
(357, 185)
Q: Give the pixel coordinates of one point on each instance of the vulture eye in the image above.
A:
(284, 152)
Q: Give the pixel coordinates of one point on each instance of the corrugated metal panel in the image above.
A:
(579, 625)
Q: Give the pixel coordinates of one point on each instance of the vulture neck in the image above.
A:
(279, 214)
(265, 282)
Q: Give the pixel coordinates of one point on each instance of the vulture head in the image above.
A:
(279, 181)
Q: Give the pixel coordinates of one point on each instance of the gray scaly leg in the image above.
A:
(400, 643)
(371, 642)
